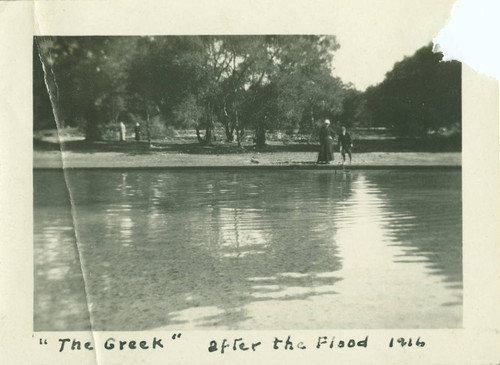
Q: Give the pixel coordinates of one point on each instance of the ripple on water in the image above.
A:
(225, 249)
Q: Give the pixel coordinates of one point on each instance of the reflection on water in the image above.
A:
(248, 250)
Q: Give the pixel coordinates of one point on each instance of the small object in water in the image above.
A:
(253, 160)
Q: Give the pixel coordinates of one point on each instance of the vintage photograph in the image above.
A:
(243, 182)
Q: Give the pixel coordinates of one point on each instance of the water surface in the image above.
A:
(252, 249)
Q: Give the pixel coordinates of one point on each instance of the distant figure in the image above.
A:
(325, 143)
(123, 132)
(137, 131)
(345, 144)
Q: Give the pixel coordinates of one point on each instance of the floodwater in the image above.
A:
(247, 249)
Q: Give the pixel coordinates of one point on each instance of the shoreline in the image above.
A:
(49, 160)
(262, 167)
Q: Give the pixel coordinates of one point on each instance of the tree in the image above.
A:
(305, 89)
(240, 82)
(287, 80)
(178, 76)
(85, 78)
(354, 109)
(420, 94)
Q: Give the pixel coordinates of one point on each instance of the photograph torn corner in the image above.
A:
(458, 40)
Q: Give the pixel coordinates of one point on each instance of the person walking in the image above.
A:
(325, 143)
(345, 144)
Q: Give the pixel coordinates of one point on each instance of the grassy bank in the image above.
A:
(191, 146)
(184, 150)
(72, 159)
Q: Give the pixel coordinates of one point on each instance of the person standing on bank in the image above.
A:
(325, 143)
(123, 132)
(137, 130)
(345, 144)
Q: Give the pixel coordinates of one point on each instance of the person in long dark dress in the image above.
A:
(325, 143)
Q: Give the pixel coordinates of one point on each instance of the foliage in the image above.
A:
(354, 110)
(261, 83)
(85, 77)
(419, 95)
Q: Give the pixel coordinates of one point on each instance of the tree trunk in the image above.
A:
(227, 123)
(200, 139)
(208, 135)
(209, 124)
(229, 132)
(238, 137)
(92, 132)
(238, 131)
(148, 130)
(312, 118)
(260, 136)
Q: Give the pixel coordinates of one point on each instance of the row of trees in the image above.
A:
(238, 83)
(420, 94)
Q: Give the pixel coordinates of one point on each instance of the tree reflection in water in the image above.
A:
(219, 249)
